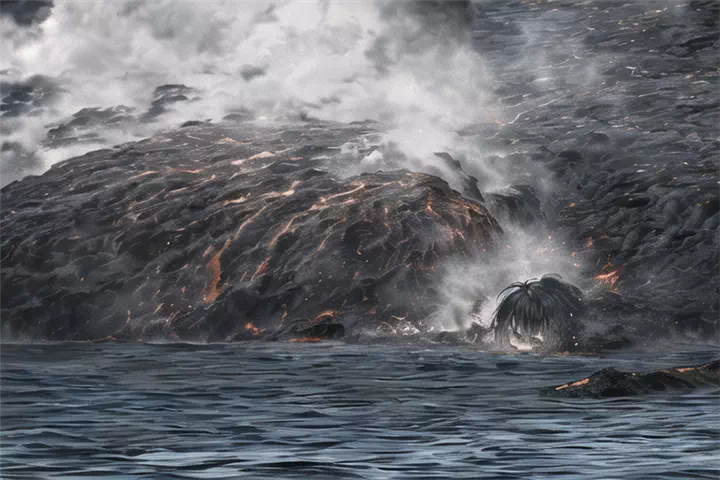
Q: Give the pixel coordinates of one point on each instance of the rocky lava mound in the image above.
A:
(215, 234)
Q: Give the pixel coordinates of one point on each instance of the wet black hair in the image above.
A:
(544, 307)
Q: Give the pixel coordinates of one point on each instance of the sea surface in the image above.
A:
(333, 411)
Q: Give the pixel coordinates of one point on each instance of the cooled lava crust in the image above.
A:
(213, 233)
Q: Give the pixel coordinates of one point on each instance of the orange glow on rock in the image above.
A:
(212, 290)
(609, 275)
(429, 203)
(326, 313)
(253, 329)
(576, 384)
(261, 269)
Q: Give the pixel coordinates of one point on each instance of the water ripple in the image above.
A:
(338, 411)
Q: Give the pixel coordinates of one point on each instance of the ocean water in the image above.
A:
(332, 410)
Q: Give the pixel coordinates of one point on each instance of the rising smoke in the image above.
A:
(405, 65)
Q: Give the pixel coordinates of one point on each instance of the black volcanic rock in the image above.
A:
(610, 382)
(164, 97)
(631, 149)
(213, 234)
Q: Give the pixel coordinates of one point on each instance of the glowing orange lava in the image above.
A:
(576, 384)
(261, 269)
(253, 329)
(326, 313)
(428, 204)
(214, 271)
(609, 275)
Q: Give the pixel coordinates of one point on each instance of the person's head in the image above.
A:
(543, 311)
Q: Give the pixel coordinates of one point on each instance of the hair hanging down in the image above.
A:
(543, 307)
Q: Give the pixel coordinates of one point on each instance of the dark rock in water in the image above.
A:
(310, 331)
(221, 235)
(610, 382)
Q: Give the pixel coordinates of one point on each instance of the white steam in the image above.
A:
(335, 61)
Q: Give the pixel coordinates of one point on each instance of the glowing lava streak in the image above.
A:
(214, 271)
(337, 195)
(327, 313)
(253, 329)
(609, 276)
(261, 269)
(248, 221)
(286, 193)
(428, 204)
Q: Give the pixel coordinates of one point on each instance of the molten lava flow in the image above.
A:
(305, 339)
(237, 200)
(253, 329)
(249, 220)
(576, 384)
(261, 269)
(291, 190)
(212, 291)
(609, 275)
(428, 204)
(337, 195)
(140, 175)
(287, 193)
(456, 233)
(284, 314)
(326, 313)
(260, 155)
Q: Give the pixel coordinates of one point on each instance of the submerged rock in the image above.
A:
(610, 382)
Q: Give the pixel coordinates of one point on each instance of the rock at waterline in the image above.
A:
(610, 382)
(209, 233)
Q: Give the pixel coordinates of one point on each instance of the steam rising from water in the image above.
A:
(328, 60)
